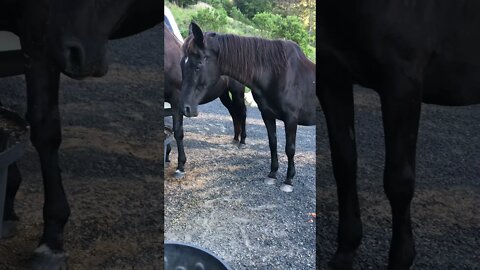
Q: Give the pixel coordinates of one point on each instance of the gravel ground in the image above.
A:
(446, 217)
(111, 159)
(223, 205)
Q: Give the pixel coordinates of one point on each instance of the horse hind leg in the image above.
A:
(240, 111)
(10, 219)
(167, 155)
(228, 103)
(178, 135)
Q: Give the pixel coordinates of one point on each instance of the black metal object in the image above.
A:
(181, 256)
(12, 147)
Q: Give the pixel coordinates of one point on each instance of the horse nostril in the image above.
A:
(74, 55)
(187, 110)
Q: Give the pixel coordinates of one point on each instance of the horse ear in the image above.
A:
(197, 34)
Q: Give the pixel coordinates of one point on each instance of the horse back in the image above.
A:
(142, 15)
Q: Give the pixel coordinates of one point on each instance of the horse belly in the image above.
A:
(307, 117)
(451, 83)
(308, 109)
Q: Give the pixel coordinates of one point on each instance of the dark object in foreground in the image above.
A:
(392, 48)
(13, 135)
(68, 37)
(185, 256)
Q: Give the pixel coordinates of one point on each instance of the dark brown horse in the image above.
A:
(70, 37)
(225, 87)
(409, 52)
(282, 80)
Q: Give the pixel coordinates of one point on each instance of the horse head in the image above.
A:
(74, 33)
(200, 68)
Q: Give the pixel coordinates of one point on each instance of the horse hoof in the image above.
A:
(9, 228)
(179, 174)
(286, 188)
(241, 145)
(341, 261)
(234, 141)
(46, 259)
(270, 181)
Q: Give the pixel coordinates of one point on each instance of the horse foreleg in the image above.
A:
(272, 143)
(290, 134)
(401, 111)
(178, 134)
(44, 118)
(10, 219)
(337, 104)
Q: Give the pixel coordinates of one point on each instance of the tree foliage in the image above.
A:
(280, 19)
(276, 26)
(183, 3)
(212, 19)
(305, 9)
(236, 14)
(268, 23)
(251, 7)
(225, 4)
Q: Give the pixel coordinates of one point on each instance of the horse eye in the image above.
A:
(197, 69)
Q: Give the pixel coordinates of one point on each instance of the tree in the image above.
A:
(308, 13)
(305, 9)
(251, 7)
(183, 3)
(211, 19)
(292, 28)
(268, 23)
(225, 4)
(236, 14)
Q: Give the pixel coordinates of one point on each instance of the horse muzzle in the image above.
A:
(190, 111)
(77, 65)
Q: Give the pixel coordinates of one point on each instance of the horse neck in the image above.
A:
(226, 71)
(244, 67)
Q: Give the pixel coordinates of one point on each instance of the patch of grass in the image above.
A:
(183, 16)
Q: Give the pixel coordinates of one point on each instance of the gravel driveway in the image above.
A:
(223, 205)
(445, 208)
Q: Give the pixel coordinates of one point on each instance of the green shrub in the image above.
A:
(183, 3)
(268, 23)
(251, 7)
(211, 19)
(225, 4)
(236, 14)
(292, 28)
